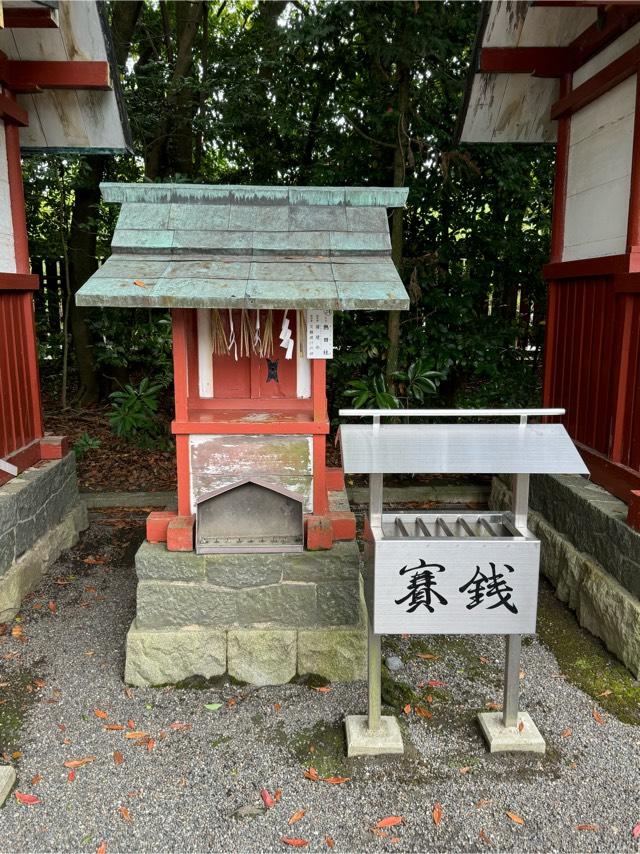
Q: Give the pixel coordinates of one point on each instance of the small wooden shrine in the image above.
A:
(252, 276)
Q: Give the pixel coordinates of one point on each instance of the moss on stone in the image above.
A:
(322, 747)
(585, 661)
(17, 701)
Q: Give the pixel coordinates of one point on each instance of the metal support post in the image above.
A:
(513, 647)
(374, 665)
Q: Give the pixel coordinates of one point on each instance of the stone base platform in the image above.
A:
(361, 741)
(589, 554)
(261, 618)
(522, 738)
(40, 517)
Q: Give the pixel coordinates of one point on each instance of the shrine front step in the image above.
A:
(306, 589)
(258, 655)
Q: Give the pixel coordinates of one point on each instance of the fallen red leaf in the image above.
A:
(91, 560)
(597, 716)
(118, 758)
(113, 727)
(427, 656)
(493, 707)
(390, 821)
(136, 734)
(298, 814)
(102, 848)
(521, 726)
(126, 815)
(635, 830)
(277, 706)
(296, 843)
(395, 840)
(465, 770)
(515, 817)
(407, 709)
(178, 725)
(27, 799)
(336, 781)
(53, 607)
(267, 799)
(587, 827)
(71, 776)
(277, 795)
(312, 774)
(131, 724)
(323, 689)
(484, 837)
(100, 714)
(330, 842)
(36, 779)
(566, 733)
(150, 744)
(437, 814)
(139, 283)
(78, 763)
(435, 683)
(424, 713)
(378, 832)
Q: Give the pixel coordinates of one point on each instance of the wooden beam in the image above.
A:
(607, 265)
(19, 282)
(21, 18)
(618, 479)
(13, 113)
(615, 21)
(32, 76)
(539, 61)
(614, 73)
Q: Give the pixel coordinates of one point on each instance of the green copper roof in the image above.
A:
(197, 246)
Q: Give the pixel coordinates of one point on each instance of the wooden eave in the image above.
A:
(33, 76)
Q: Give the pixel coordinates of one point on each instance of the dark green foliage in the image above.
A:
(85, 444)
(134, 414)
(312, 93)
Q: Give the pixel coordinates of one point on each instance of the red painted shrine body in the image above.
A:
(569, 73)
(237, 266)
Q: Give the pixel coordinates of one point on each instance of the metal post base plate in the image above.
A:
(361, 741)
(522, 738)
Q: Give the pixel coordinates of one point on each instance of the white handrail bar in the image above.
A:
(447, 413)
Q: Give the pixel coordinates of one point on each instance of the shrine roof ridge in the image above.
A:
(245, 194)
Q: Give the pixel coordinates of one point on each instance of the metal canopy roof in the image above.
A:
(198, 246)
(515, 107)
(459, 449)
(68, 119)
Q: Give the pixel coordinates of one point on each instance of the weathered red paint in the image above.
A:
(21, 17)
(54, 447)
(19, 282)
(539, 61)
(180, 534)
(31, 76)
(157, 524)
(319, 533)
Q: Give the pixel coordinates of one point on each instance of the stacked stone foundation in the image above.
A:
(589, 554)
(261, 618)
(40, 516)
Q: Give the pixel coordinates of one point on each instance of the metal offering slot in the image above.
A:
(444, 526)
(464, 524)
(422, 527)
(400, 526)
(440, 522)
(482, 521)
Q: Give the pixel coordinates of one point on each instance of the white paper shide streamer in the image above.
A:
(286, 338)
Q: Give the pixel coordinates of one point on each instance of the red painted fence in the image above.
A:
(592, 369)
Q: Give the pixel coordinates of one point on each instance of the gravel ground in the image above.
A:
(184, 793)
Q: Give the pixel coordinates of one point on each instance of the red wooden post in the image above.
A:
(18, 218)
(180, 318)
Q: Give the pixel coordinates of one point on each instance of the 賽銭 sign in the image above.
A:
(452, 587)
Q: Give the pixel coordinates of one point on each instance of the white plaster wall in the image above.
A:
(598, 178)
(621, 45)
(7, 252)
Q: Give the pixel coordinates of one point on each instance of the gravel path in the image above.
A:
(183, 790)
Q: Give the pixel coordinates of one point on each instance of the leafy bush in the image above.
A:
(84, 444)
(412, 386)
(134, 415)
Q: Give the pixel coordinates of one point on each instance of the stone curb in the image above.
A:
(358, 495)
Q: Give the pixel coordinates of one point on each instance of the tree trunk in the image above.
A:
(81, 244)
(397, 223)
(178, 113)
